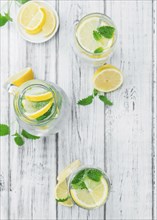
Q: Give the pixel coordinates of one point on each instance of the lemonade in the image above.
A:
(87, 187)
(95, 38)
(41, 107)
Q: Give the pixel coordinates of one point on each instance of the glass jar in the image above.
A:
(96, 59)
(105, 179)
(50, 123)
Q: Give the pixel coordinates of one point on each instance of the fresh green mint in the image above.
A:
(89, 99)
(63, 200)
(97, 36)
(99, 50)
(28, 135)
(105, 100)
(79, 176)
(86, 101)
(22, 1)
(106, 31)
(4, 130)
(18, 139)
(4, 19)
(94, 174)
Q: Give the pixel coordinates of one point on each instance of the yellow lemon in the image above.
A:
(40, 97)
(107, 78)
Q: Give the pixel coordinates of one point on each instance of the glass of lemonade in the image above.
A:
(41, 107)
(89, 187)
(95, 38)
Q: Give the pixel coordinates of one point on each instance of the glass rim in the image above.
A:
(90, 167)
(19, 110)
(105, 17)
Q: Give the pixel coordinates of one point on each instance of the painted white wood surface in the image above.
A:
(120, 139)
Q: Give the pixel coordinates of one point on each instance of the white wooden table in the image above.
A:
(120, 139)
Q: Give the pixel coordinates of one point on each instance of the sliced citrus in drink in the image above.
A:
(94, 195)
(68, 170)
(40, 97)
(32, 17)
(19, 78)
(50, 22)
(40, 112)
(85, 35)
(107, 78)
(62, 194)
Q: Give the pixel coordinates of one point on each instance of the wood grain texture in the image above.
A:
(120, 139)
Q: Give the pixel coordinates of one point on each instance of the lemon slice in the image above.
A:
(40, 97)
(62, 194)
(85, 35)
(94, 196)
(40, 112)
(68, 170)
(19, 78)
(50, 22)
(32, 17)
(107, 78)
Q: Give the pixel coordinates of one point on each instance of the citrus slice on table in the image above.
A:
(21, 77)
(94, 196)
(62, 194)
(40, 97)
(32, 17)
(68, 170)
(107, 78)
(85, 35)
(50, 22)
(40, 112)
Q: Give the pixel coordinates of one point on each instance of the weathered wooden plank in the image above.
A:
(83, 138)
(129, 121)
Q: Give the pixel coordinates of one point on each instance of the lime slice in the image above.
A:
(40, 97)
(62, 194)
(94, 196)
(107, 78)
(85, 35)
(68, 170)
(32, 17)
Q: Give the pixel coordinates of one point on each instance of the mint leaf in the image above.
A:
(28, 135)
(63, 200)
(79, 177)
(22, 1)
(86, 101)
(18, 139)
(105, 100)
(4, 130)
(106, 31)
(99, 50)
(95, 92)
(94, 174)
(79, 185)
(97, 36)
(4, 19)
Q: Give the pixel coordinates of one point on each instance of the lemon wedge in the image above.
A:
(40, 112)
(32, 17)
(40, 97)
(68, 170)
(62, 194)
(107, 78)
(50, 22)
(19, 78)
(94, 196)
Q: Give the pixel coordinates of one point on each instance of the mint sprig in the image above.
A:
(22, 1)
(28, 135)
(5, 18)
(4, 130)
(97, 36)
(99, 50)
(106, 31)
(94, 174)
(18, 139)
(88, 100)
